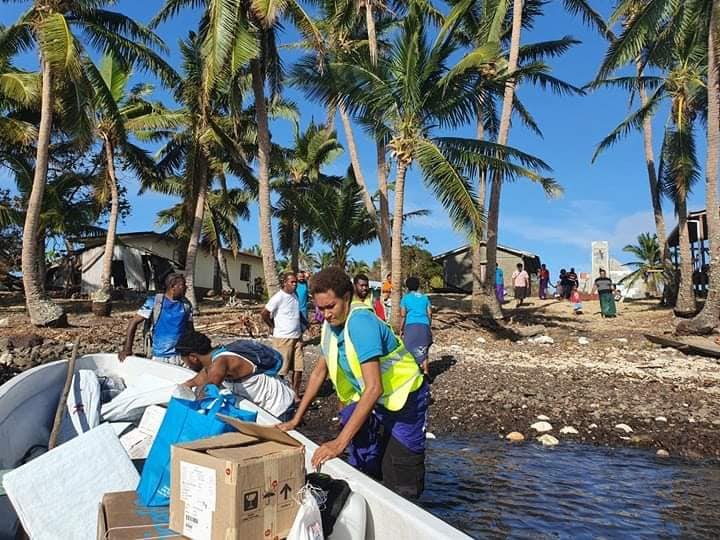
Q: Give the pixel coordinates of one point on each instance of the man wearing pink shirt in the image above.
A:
(521, 283)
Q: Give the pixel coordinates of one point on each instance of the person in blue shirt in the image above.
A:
(415, 322)
(302, 291)
(170, 315)
(384, 394)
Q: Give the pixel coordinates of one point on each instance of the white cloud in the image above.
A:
(581, 228)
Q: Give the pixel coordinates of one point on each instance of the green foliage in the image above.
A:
(648, 265)
(417, 261)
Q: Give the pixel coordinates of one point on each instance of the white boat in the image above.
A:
(28, 403)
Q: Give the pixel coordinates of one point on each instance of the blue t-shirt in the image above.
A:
(499, 277)
(171, 324)
(416, 307)
(371, 337)
(301, 291)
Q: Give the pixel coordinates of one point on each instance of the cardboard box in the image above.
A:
(237, 485)
(123, 517)
(138, 442)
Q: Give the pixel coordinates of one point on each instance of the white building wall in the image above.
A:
(131, 249)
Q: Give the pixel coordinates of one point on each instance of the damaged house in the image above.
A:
(141, 260)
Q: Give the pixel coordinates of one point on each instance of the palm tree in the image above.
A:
(356, 267)
(203, 149)
(334, 210)
(118, 114)
(50, 25)
(629, 11)
(315, 148)
(648, 264)
(228, 44)
(412, 92)
(223, 209)
(489, 23)
(679, 41)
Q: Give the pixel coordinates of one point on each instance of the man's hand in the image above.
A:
(122, 355)
(327, 451)
(288, 426)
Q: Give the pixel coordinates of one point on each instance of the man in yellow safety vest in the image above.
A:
(379, 383)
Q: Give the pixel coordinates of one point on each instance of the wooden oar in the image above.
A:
(59, 412)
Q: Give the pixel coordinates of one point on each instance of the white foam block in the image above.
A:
(57, 495)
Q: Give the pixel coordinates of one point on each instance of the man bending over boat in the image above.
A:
(166, 317)
(377, 379)
(248, 368)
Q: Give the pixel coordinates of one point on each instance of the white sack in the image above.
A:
(132, 402)
(308, 521)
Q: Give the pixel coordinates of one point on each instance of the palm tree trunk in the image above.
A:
(272, 285)
(372, 34)
(295, 247)
(384, 222)
(385, 251)
(707, 320)
(42, 265)
(652, 176)
(112, 223)
(397, 243)
(477, 277)
(194, 242)
(491, 307)
(686, 295)
(223, 270)
(42, 311)
(383, 233)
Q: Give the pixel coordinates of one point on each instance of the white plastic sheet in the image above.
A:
(132, 402)
(57, 494)
(83, 405)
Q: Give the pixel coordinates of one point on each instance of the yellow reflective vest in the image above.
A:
(400, 374)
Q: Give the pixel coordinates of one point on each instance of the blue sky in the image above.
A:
(607, 200)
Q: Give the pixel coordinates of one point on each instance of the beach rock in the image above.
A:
(454, 418)
(5, 344)
(541, 340)
(569, 430)
(548, 440)
(27, 341)
(543, 418)
(541, 427)
(4, 322)
(621, 340)
(660, 419)
(624, 427)
(6, 359)
(481, 340)
(592, 426)
(515, 436)
(583, 341)
(529, 331)
(662, 453)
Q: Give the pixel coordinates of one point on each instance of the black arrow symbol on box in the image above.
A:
(285, 491)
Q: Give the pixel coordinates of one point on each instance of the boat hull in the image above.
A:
(27, 408)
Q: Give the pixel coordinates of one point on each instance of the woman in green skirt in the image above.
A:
(605, 289)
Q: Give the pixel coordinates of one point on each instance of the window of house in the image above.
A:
(244, 272)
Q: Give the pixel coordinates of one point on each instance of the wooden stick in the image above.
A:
(59, 412)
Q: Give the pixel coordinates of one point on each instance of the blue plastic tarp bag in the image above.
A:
(185, 421)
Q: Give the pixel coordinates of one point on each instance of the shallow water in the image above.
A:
(490, 488)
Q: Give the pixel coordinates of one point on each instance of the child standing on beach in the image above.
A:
(576, 301)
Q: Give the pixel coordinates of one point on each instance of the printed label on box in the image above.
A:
(197, 486)
(197, 523)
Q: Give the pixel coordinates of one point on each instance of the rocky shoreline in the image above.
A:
(588, 374)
